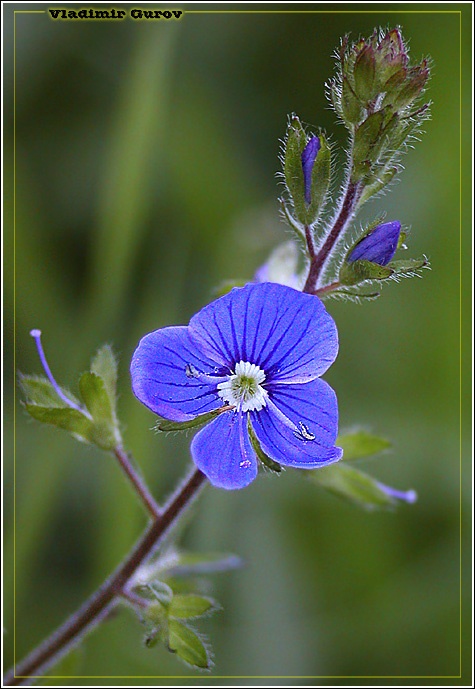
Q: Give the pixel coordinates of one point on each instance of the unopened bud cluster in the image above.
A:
(376, 93)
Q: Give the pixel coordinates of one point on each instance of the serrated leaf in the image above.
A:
(190, 605)
(361, 444)
(66, 418)
(38, 390)
(166, 425)
(104, 365)
(351, 484)
(188, 645)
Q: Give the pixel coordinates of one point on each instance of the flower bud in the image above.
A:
(308, 157)
(379, 245)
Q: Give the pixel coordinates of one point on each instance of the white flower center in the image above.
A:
(243, 388)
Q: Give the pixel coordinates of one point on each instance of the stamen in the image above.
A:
(303, 433)
(36, 335)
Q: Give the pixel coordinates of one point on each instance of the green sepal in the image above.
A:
(187, 606)
(364, 74)
(355, 296)
(72, 420)
(351, 107)
(166, 425)
(408, 267)
(355, 272)
(292, 222)
(349, 483)
(104, 365)
(293, 173)
(361, 444)
(266, 461)
(381, 180)
(38, 390)
(98, 403)
(296, 140)
(366, 136)
(188, 645)
(156, 614)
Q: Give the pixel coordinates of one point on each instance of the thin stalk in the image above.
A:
(327, 288)
(348, 206)
(137, 482)
(106, 597)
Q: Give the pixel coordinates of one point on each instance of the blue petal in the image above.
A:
(287, 333)
(159, 375)
(299, 426)
(223, 452)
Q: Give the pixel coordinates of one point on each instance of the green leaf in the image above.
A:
(38, 390)
(104, 365)
(188, 645)
(361, 444)
(166, 425)
(351, 484)
(190, 605)
(72, 420)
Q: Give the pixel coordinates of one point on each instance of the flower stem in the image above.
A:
(348, 205)
(327, 288)
(137, 482)
(106, 597)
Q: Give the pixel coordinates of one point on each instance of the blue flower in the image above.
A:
(379, 246)
(254, 355)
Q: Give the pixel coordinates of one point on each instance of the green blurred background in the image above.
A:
(146, 155)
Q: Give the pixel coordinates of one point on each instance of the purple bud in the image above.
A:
(379, 246)
(308, 157)
(409, 496)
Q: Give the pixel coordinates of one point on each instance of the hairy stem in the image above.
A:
(137, 482)
(344, 216)
(327, 288)
(106, 597)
